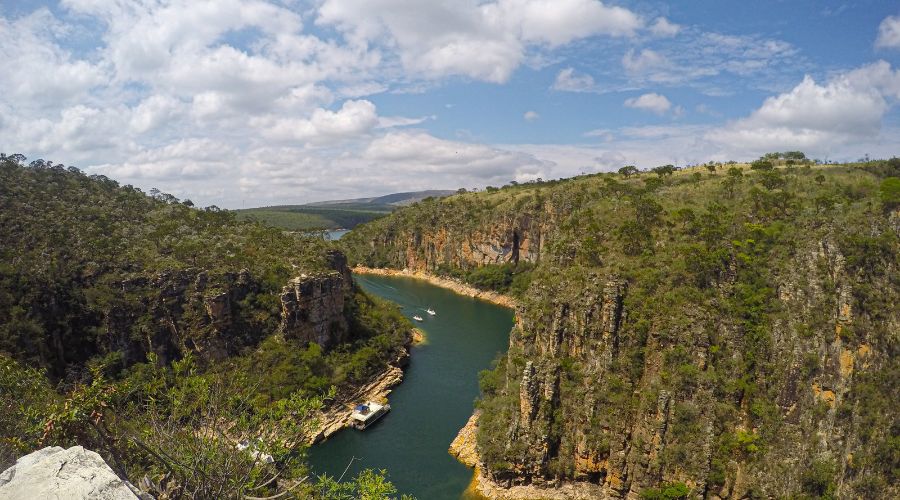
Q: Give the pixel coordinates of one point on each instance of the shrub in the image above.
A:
(671, 491)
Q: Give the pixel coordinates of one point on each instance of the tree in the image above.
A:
(711, 167)
(771, 179)
(664, 170)
(628, 171)
(735, 175)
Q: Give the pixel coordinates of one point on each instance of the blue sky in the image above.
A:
(255, 102)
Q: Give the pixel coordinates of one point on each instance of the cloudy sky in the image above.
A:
(253, 102)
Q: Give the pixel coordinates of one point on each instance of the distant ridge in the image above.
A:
(336, 214)
(396, 199)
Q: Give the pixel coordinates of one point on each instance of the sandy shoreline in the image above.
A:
(448, 283)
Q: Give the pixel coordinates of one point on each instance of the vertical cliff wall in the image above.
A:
(719, 340)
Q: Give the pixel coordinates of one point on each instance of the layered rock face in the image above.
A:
(75, 473)
(312, 309)
(509, 239)
(587, 407)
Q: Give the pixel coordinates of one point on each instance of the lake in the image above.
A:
(436, 397)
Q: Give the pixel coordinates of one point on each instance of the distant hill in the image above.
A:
(393, 200)
(335, 214)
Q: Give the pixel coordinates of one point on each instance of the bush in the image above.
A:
(671, 491)
(762, 164)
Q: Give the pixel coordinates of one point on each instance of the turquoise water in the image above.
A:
(436, 396)
(335, 234)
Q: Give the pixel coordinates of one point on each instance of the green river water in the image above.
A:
(436, 396)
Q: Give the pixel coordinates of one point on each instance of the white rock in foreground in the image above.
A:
(53, 473)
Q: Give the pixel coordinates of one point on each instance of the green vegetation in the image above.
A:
(673, 491)
(745, 290)
(149, 330)
(311, 218)
(344, 214)
(512, 279)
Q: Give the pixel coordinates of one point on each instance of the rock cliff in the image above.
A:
(741, 349)
(192, 311)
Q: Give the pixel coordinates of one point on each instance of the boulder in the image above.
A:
(74, 473)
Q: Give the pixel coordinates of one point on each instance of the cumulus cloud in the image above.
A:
(422, 152)
(889, 33)
(531, 116)
(662, 27)
(485, 41)
(38, 69)
(354, 119)
(231, 100)
(813, 116)
(569, 81)
(652, 102)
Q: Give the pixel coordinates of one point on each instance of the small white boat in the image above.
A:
(430, 311)
(417, 318)
(366, 414)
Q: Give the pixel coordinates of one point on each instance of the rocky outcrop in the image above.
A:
(75, 473)
(312, 309)
(464, 445)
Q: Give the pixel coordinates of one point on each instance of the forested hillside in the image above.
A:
(724, 331)
(161, 335)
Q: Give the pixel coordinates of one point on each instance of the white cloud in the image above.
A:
(569, 81)
(601, 133)
(485, 41)
(557, 22)
(531, 116)
(849, 107)
(153, 111)
(185, 160)
(420, 152)
(662, 27)
(652, 102)
(706, 61)
(354, 119)
(38, 70)
(642, 62)
(228, 100)
(889, 33)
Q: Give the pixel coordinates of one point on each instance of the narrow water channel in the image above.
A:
(436, 396)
